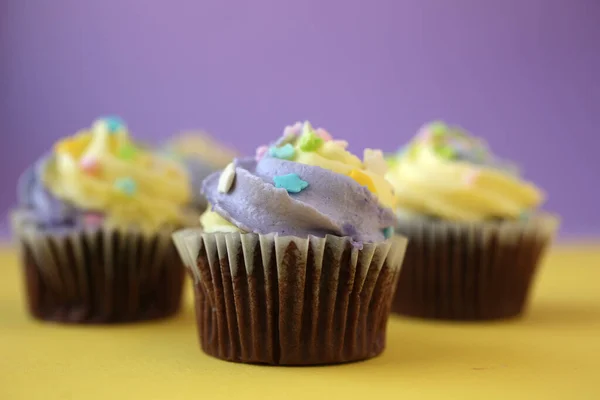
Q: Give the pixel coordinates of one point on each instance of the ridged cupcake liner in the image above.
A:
(458, 271)
(290, 301)
(99, 275)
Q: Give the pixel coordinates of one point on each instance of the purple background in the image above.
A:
(521, 73)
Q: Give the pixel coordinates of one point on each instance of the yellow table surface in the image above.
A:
(553, 353)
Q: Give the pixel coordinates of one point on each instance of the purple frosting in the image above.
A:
(45, 209)
(332, 203)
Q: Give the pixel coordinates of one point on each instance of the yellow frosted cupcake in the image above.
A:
(475, 231)
(94, 222)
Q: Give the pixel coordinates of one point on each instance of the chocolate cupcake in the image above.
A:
(475, 234)
(94, 225)
(297, 263)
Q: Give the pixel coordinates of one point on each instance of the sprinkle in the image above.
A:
(341, 143)
(363, 179)
(374, 161)
(290, 182)
(126, 185)
(323, 134)
(285, 152)
(127, 152)
(446, 152)
(471, 177)
(292, 129)
(89, 165)
(388, 232)
(260, 152)
(437, 128)
(92, 218)
(114, 124)
(226, 179)
(309, 141)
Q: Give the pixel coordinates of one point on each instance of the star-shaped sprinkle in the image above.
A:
(363, 179)
(285, 152)
(226, 179)
(309, 141)
(127, 152)
(388, 232)
(89, 165)
(374, 161)
(260, 152)
(323, 134)
(114, 124)
(290, 182)
(126, 185)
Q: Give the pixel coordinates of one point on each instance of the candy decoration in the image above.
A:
(374, 161)
(293, 129)
(471, 177)
(260, 152)
(89, 165)
(363, 179)
(309, 141)
(93, 218)
(341, 143)
(126, 185)
(437, 128)
(285, 152)
(388, 232)
(127, 152)
(290, 182)
(226, 179)
(323, 134)
(446, 152)
(114, 124)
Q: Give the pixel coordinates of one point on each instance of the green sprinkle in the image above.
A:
(285, 152)
(126, 185)
(290, 182)
(127, 152)
(309, 141)
(446, 152)
(438, 129)
(388, 232)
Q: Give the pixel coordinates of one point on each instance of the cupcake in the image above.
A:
(94, 223)
(201, 155)
(297, 262)
(476, 235)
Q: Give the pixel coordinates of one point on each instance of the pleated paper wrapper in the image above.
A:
(279, 300)
(98, 275)
(459, 271)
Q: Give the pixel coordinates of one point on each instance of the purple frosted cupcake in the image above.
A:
(475, 234)
(297, 262)
(94, 223)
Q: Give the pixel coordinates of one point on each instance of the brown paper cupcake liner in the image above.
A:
(101, 275)
(457, 271)
(290, 301)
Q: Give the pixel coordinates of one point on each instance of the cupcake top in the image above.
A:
(303, 184)
(446, 173)
(100, 175)
(201, 155)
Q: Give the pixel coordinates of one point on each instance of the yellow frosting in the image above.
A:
(332, 155)
(429, 180)
(213, 222)
(101, 169)
(203, 147)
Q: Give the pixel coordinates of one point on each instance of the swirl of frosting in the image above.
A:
(446, 173)
(104, 171)
(304, 184)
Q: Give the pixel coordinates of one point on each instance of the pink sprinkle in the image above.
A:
(295, 129)
(470, 177)
(260, 152)
(323, 134)
(89, 165)
(342, 143)
(93, 218)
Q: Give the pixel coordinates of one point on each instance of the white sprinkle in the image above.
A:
(374, 161)
(226, 179)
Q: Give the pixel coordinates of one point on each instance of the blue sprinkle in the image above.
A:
(290, 182)
(388, 232)
(126, 185)
(114, 124)
(285, 152)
